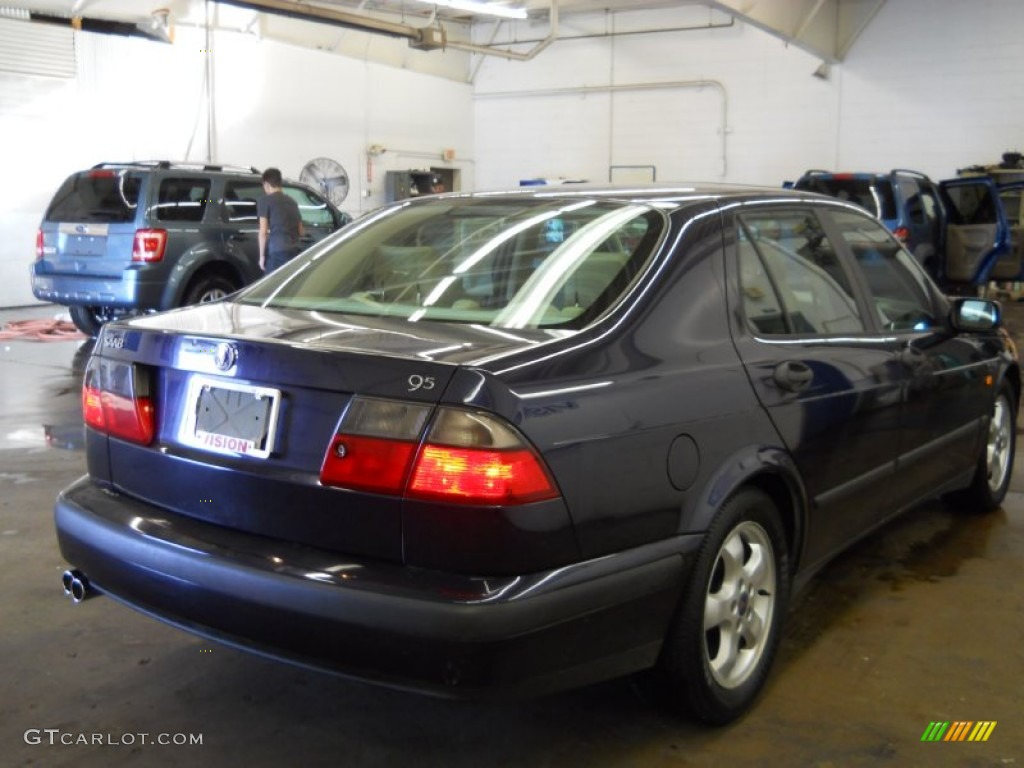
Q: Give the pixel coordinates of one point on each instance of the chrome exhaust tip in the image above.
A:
(76, 586)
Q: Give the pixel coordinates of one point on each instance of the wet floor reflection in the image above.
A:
(40, 395)
(926, 545)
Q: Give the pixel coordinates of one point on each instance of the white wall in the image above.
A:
(275, 104)
(935, 85)
(779, 118)
(932, 84)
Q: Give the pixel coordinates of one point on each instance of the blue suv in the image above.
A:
(956, 229)
(123, 238)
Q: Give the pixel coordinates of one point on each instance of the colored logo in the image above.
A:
(959, 730)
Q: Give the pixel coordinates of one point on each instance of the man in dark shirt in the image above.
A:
(280, 223)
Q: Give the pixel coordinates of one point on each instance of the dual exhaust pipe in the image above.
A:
(76, 586)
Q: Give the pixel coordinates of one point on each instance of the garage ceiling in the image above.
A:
(826, 28)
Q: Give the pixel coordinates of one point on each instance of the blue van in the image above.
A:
(956, 229)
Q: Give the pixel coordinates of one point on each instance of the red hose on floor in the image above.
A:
(41, 330)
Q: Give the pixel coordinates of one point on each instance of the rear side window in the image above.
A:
(873, 195)
(240, 201)
(97, 195)
(791, 279)
(182, 199)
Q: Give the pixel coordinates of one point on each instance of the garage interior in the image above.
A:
(920, 622)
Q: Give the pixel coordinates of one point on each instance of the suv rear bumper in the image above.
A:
(440, 633)
(134, 289)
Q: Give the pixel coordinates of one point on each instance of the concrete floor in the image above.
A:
(923, 621)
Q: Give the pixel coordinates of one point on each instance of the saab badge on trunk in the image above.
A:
(225, 356)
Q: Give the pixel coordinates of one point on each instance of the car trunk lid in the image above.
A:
(243, 425)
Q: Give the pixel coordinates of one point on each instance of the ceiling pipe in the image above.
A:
(486, 50)
(655, 31)
(306, 12)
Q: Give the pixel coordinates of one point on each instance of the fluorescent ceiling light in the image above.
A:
(478, 6)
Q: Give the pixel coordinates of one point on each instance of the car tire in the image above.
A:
(209, 287)
(88, 320)
(721, 644)
(995, 464)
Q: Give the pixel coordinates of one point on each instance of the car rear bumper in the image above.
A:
(435, 632)
(133, 289)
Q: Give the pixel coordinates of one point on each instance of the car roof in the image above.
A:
(665, 196)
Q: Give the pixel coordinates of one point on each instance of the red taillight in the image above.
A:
(902, 234)
(149, 245)
(473, 475)
(102, 174)
(92, 408)
(367, 463)
(467, 457)
(116, 401)
(39, 244)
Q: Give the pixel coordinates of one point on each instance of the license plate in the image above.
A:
(230, 418)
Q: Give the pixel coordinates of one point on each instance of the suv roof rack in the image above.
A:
(184, 164)
(813, 171)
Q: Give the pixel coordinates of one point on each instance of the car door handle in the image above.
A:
(793, 376)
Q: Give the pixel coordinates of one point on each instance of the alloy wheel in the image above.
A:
(997, 451)
(739, 604)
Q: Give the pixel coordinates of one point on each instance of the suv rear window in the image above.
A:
(96, 195)
(873, 195)
(503, 263)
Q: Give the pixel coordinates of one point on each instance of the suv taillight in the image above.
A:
(466, 457)
(149, 245)
(39, 244)
(902, 234)
(116, 400)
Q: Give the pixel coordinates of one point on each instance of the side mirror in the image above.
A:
(975, 315)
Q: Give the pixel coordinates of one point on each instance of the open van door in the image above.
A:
(1011, 266)
(977, 241)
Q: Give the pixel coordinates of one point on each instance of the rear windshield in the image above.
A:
(505, 263)
(873, 195)
(97, 195)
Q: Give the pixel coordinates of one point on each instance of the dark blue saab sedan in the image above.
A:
(503, 444)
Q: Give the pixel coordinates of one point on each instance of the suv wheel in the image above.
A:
(206, 288)
(89, 320)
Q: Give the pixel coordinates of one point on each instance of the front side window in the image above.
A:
(790, 277)
(903, 296)
(312, 209)
(182, 199)
(971, 204)
(505, 263)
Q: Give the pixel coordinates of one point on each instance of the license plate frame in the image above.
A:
(222, 399)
